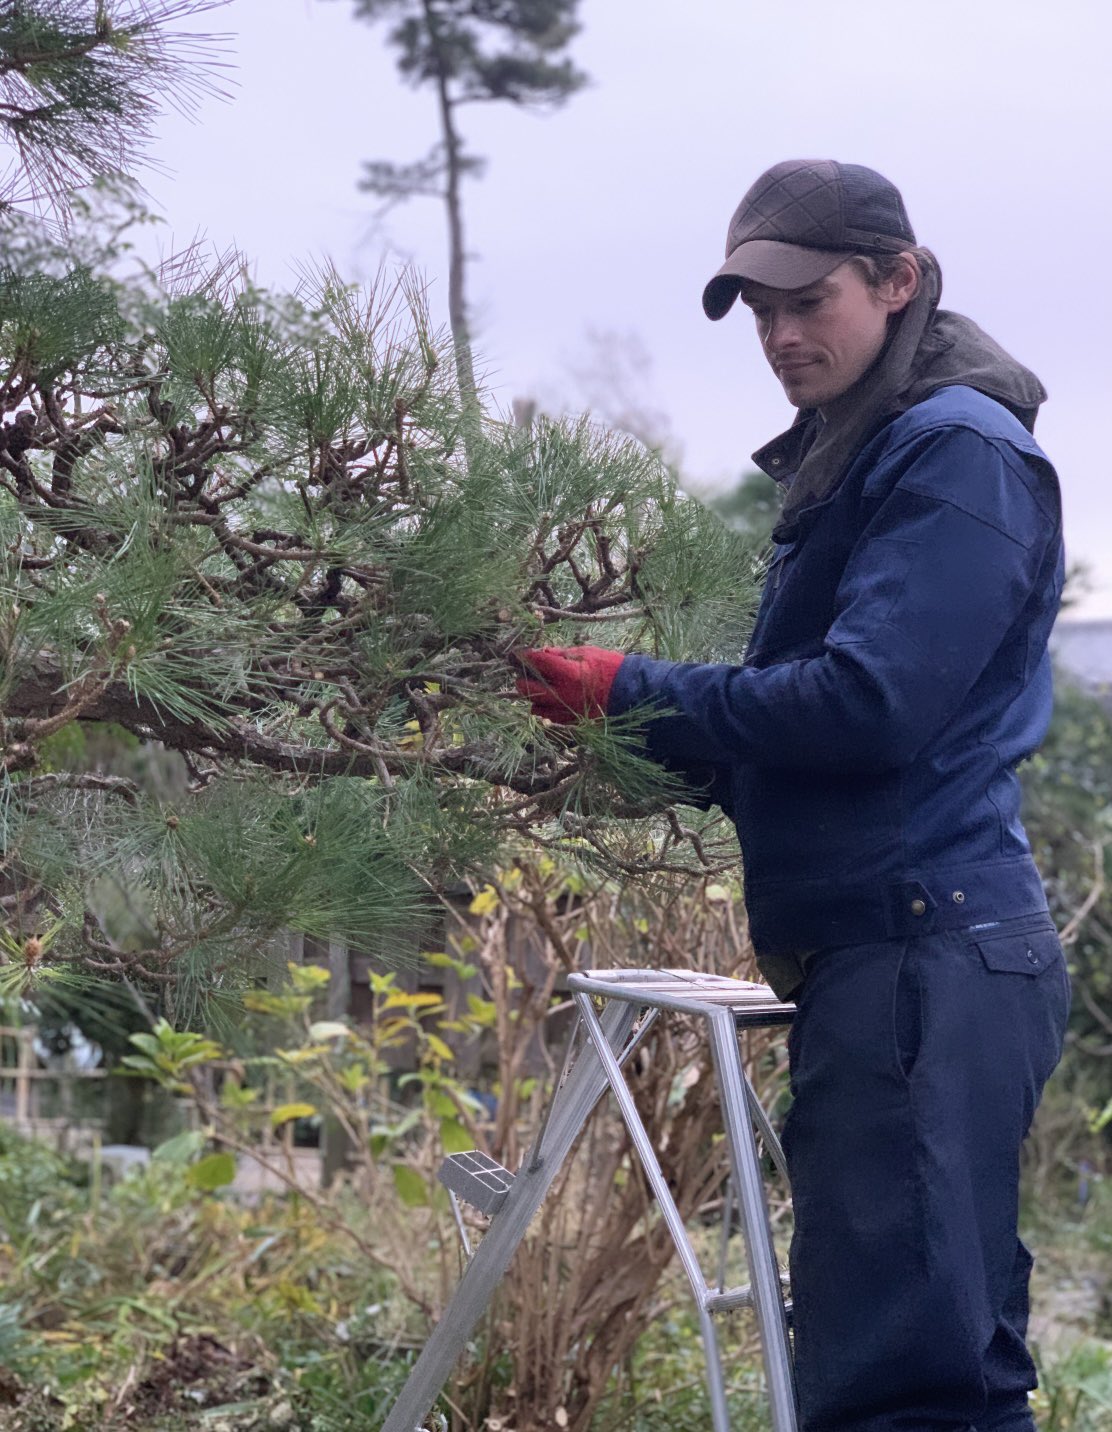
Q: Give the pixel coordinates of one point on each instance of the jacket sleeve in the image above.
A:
(941, 573)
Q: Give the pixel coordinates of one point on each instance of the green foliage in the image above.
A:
(79, 84)
(663, 1387)
(1075, 1390)
(1068, 813)
(58, 323)
(752, 506)
(242, 525)
(37, 1187)
(169, 1054)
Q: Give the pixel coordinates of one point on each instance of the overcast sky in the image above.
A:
(993, 117)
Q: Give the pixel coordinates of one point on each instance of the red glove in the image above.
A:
(575, 681)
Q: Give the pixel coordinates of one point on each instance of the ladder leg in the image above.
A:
(767, 1133)
(764, 1274)
(650, 1167)
(716, 1385)
(572, 1104)
(646, 1154)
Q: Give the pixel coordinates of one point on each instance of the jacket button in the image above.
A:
(1032, 958)
(958, 897)
(918, 907)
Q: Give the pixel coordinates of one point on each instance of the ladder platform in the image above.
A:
(478, 1179)
(752, 1003)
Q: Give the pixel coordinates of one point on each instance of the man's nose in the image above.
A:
(783, 333)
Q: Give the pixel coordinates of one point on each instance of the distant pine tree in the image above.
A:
(470, 51)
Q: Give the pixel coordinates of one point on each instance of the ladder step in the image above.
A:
(477, 1179)
(728, 1299)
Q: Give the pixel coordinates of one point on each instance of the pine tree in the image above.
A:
(470, 52)
(239, 525)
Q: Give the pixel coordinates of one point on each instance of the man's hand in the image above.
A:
(574, 681)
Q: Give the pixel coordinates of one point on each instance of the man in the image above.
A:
(866, 750)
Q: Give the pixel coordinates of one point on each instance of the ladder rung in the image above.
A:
(728, 1299)
(477, 1179)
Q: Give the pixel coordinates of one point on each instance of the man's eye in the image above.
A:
(805, 305)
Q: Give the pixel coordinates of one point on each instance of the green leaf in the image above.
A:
(440, 1104)
(411, 1186)
(236, 1096)
(354, 1078)
(215, 1171)
(454, 1137)
(181, 1149)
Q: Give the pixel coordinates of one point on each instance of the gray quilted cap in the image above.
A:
(800, 220)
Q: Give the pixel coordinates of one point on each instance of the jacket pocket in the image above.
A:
(1030, 954)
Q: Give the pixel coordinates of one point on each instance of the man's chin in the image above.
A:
(804, 395)
(809, 395)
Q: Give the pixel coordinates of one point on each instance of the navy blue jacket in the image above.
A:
(897, 673)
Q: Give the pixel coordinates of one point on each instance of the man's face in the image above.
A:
(820, 340)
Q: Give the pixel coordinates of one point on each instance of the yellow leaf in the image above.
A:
(482, 1011)
(307, 978)
(400, 1000)
(285, 1112)
(302, 1056)
(485, 901)
(438, 1047)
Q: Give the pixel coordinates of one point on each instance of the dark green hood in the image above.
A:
(928, 348)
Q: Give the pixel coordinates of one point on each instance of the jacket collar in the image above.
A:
(780, 459)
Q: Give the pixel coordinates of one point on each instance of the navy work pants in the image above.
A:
(916, 1066)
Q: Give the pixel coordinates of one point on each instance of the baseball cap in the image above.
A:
(800, 220)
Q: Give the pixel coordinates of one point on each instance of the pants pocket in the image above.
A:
(907, 1011)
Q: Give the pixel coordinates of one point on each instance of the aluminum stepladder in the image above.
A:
(631, 1001)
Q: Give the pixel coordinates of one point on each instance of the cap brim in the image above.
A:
(770, 263)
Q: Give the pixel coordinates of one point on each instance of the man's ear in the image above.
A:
(898, 291)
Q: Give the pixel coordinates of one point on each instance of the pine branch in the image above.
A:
(77, 82)
(238, 527)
